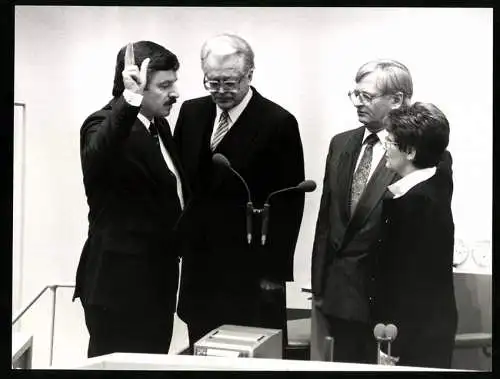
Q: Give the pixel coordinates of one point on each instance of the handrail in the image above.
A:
(468, 340)
(53, 288)
(23, 311)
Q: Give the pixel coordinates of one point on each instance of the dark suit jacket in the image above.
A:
(130, 258)
(344, 246)
(414, 276)
(340, 258)
(264, 146)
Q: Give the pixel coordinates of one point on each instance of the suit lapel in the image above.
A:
(348, 160)
(199, 138)
(238, 141)
(373, 193)
(166, 136)
(152, 156)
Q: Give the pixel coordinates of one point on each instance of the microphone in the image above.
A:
(221, 160)
(380, 333)
(391, 331)
(305, 186)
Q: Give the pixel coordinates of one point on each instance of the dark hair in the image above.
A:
(421, 126)
(161, 59)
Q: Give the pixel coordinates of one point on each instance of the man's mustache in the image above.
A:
(171, 101)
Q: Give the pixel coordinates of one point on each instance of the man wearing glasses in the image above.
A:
(228, 278)
(349, 218)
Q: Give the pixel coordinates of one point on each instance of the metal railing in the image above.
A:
(53, 288)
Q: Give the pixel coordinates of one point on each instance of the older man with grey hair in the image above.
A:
(349, 218)
(228, 275)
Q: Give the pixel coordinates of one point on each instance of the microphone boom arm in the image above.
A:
(304, 186)
(223, 161)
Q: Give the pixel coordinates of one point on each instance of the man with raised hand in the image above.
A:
(127, 277)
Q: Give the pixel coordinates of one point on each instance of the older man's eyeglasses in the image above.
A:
(361, 98)
(230, 85)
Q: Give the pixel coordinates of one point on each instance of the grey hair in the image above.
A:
(227, 45)
(394, 77)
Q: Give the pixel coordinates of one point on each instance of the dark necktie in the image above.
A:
(360, 177)
(221, 131)
(153, 130)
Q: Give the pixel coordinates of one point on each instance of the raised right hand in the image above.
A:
(133, 79)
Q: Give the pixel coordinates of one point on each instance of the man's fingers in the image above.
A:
(131, 70)
(144, 71)
(129, 55)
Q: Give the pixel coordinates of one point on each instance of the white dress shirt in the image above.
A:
(233, 113)
(378, 151)
(409, 181)
(135, 100)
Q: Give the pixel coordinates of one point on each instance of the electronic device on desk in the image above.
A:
(241, 341)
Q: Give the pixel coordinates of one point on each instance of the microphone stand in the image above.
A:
(304, 186)
(391, 332)
(379, 334)
(223, 161)
(328, 349)
(379, 343)
(265, 213)
(265, 222)
(384, 333)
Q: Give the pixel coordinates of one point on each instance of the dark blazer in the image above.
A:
(130, 258)
(414, 276)
(342, 245)
(264, 146)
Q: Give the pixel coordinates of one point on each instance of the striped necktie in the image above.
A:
(221, 131)
(360, 177)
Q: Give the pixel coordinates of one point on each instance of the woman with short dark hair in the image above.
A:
(414, 275)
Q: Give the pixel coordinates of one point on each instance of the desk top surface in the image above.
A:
(123, 361)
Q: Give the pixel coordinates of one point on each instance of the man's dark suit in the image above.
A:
(129, 263)
(341, 253)
(220, 271)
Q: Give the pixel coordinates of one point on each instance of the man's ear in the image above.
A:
(397, 100)
(250, 75)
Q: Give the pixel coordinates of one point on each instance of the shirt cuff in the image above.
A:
(134, 99)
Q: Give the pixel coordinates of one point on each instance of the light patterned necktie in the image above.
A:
(221, 131)
(360, 177)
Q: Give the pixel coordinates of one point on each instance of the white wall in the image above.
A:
(306, 59)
